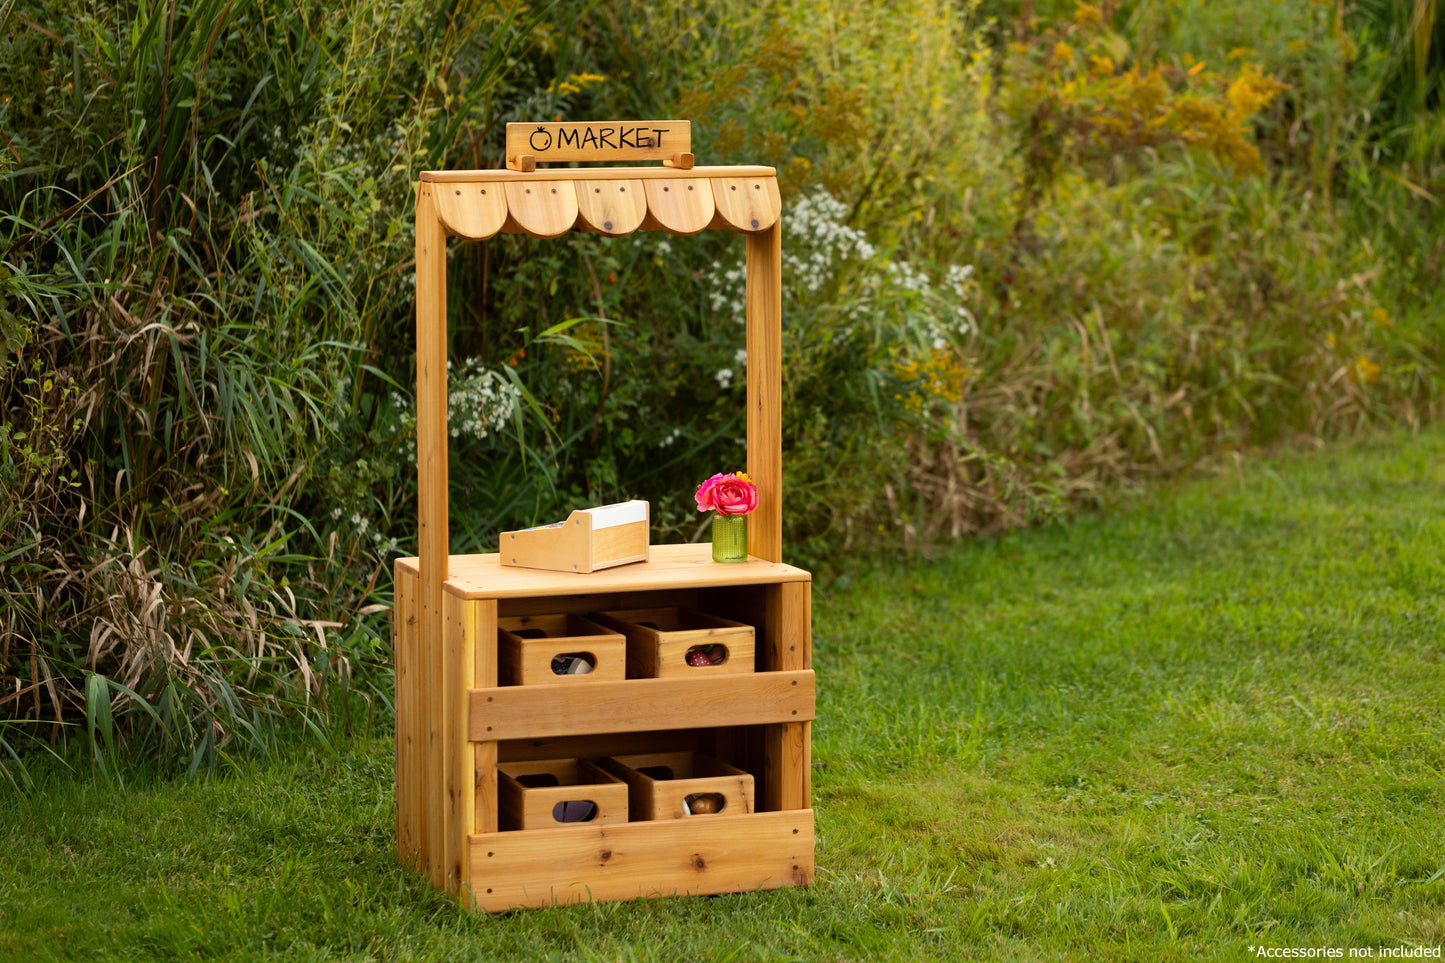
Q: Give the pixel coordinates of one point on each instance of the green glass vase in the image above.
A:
(729, 538)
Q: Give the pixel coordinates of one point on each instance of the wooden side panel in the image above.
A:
(789, 626)
(408, 763)
(541, 208)
(765, 390)
(465, 620)
(681, 205)
(563, 547)
(484, 753)
(728, 854)
(613, 208)
(639, 705)
(619, 545)
(473, 211)
(787, 749)
(789, 761)
(746, 203)
(432, 510)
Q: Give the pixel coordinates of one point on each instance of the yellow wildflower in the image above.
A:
(575, 83)
(1364, 371)
(1251, 92)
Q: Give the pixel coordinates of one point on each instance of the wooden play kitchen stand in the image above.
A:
(645, 777)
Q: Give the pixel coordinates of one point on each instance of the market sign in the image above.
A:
(608, 140)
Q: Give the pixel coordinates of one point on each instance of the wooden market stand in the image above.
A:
(456, 725)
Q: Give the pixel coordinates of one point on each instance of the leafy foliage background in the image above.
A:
(1038, 254)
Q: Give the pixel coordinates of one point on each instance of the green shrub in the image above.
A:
(1167, 260)
(207, 233)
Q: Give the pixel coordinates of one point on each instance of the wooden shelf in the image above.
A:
(671, 567)
(639, 705)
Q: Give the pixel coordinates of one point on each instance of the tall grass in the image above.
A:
(205, 215)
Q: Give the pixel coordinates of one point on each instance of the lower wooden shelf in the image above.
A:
(669, 857)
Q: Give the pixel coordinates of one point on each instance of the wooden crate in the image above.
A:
(660, 639)
(527, 644)
(529, 794)
(669, 785)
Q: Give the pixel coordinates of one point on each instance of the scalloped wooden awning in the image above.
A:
(610, 201)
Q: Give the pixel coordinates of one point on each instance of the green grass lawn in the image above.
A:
(1209, 723)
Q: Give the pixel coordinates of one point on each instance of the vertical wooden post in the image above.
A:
(483, 809)
(431, 462)
(765, 389)
(470, 654)
(787, 747)
(403, 623)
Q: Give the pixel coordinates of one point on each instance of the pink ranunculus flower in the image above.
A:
(704, 492)
(727, 494)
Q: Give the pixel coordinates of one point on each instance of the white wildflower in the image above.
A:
(958, 278)
(479, 400)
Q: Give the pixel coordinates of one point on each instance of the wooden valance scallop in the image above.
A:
(614, 202)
